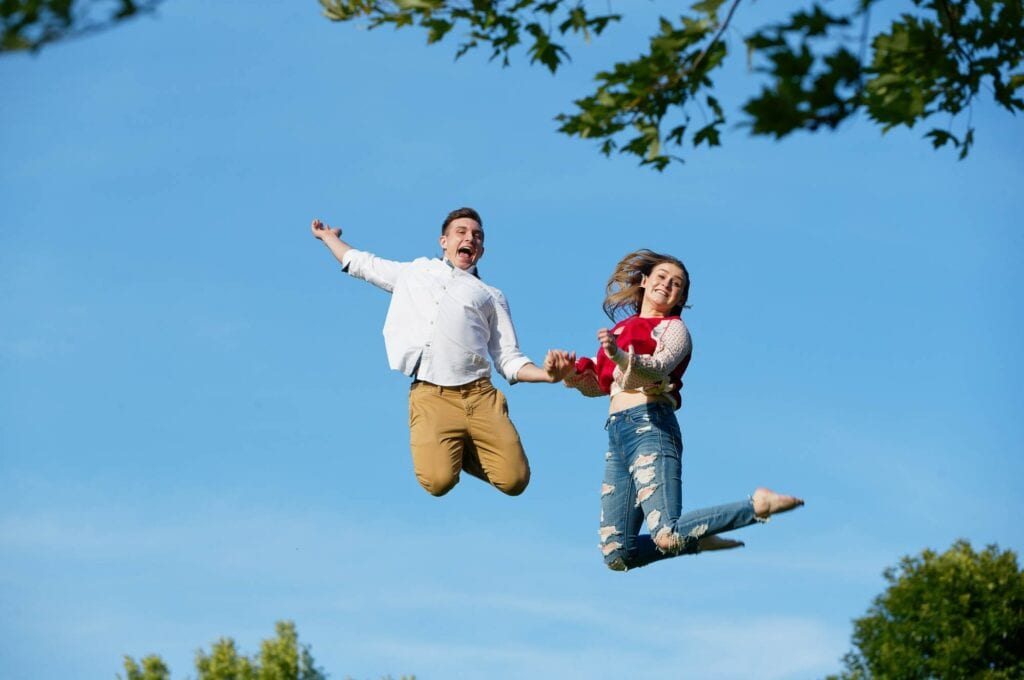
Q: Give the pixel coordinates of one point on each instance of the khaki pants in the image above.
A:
(464, 428)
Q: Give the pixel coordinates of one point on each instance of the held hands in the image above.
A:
(321, 230)
(558, 363)
(607, 340)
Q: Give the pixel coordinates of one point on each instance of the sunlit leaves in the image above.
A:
(483, 23)
(816, 69)
(151, 668)
(280, 658)
(939, 63)
(639, 98)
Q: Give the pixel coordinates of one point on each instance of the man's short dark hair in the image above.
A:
(461, 212)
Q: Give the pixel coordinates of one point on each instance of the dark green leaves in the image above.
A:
(31, 24)
(812, 81)
(499, 25)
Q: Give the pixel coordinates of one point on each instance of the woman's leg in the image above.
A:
(620, 518)
(657, 472)
(643, 485)
(629, 488)
(692, 527)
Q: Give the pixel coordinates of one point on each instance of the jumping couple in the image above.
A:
(442, 323)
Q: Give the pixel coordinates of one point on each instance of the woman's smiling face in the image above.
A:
(663, 289)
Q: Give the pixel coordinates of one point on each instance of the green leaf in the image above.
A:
(707, 134)
(708, 8)
(941, 138)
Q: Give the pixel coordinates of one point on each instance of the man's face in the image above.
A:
(463, 242)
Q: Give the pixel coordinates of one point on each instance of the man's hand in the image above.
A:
(331, 238)
(320, 230)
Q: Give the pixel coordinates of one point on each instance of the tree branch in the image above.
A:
(718, 35)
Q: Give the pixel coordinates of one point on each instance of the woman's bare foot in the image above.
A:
(717, 543)
(768, 503)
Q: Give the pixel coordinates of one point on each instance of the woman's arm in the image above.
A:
(584, 379)
(641, 370)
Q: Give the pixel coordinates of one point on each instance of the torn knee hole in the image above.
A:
(609, 548)
(653, 519)
(643, 460)
(645, 493)
(668, 541)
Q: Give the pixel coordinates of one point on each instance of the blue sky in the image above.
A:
(199, 433)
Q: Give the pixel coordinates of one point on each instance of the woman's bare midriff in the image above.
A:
(631, 398)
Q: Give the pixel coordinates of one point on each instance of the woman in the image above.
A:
(640, 364)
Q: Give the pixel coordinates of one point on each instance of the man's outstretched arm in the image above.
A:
(557, 364)
(331, 237)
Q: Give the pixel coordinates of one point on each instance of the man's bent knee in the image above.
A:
(512, 482)
(514, 488)
(437, 485)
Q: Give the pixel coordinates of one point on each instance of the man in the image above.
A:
(442, 322)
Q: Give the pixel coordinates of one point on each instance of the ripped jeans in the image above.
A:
(643, 485)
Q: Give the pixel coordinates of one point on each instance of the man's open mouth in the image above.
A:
(465, 251)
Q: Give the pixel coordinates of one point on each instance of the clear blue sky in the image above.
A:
(199, 433)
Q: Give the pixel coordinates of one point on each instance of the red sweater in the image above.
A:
(654, 353)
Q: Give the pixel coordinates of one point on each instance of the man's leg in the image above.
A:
(437, 435)
(499, 452)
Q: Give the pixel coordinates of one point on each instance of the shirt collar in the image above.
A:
(472, 270)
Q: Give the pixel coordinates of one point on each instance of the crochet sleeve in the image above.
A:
(636, 371)
(585, 379)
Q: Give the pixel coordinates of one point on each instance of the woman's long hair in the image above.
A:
(624, 292)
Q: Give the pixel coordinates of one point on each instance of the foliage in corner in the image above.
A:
(31, 24)
(955, 615)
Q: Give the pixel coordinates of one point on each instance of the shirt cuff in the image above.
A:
(346, 259)
(511, 369)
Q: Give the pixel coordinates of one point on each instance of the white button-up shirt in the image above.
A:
(442, 321)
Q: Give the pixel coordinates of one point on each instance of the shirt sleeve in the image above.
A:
(503, 345)
(642, 370)
(585, 379)
(372, 269)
